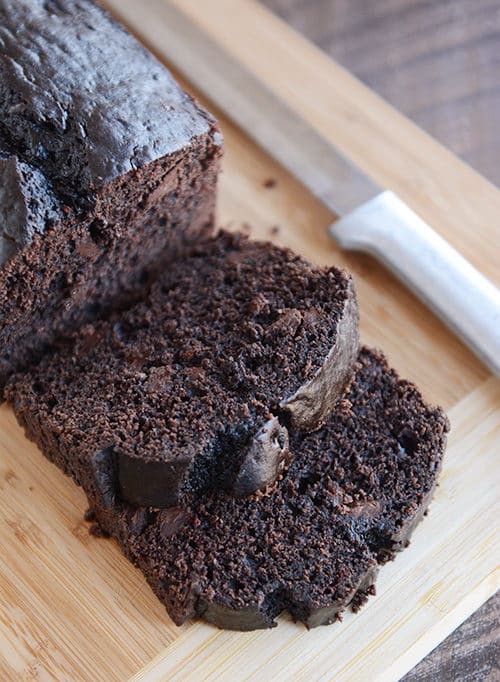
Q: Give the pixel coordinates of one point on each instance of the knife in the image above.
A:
(370, 218)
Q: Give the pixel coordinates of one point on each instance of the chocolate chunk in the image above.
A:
(287, 323)
(150, 483)
(263, 460)
(138, 520)
(408, 440)
(171, 520)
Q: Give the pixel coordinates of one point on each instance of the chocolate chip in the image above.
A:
(367, 509)
(171, 520)
(138, 521)
(286, 325)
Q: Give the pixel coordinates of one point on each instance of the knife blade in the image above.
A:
(371, 218)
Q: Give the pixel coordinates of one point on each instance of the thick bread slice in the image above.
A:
(193, 388)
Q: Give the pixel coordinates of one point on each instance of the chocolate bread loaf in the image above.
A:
(349, 500)
(107, 169)
(194, 387)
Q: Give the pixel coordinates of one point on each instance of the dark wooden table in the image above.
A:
(437, 61)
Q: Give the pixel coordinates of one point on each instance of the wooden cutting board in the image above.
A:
(72, 608)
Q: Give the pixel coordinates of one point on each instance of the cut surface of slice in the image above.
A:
(193, 387)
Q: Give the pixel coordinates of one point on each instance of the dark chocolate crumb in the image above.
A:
(270, 183)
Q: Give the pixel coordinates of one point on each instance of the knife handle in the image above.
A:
(460, 295)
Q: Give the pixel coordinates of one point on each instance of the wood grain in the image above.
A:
(469, 654)
(72, 608)
(436, 61)
(57, 581)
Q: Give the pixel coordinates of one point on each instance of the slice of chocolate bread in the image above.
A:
(192, 388)
(106, 169)
(350, 498)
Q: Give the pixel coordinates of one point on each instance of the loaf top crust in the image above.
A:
(82, 100)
